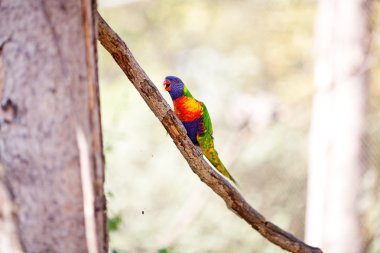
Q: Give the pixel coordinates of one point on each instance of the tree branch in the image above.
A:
(234, 200)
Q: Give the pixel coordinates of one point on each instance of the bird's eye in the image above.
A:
(176, 80)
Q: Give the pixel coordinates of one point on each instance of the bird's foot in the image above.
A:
(199, 151)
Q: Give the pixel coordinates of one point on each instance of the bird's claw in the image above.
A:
(199, 151)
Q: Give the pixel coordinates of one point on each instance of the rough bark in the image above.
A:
(338, 131)
(234, 200)
(50, 134)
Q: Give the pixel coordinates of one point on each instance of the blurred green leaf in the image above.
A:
(113, 223)
(108, 148)
(110, 194)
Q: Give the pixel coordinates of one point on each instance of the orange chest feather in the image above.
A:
(187, 109)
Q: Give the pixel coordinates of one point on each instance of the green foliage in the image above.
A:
(110, 194)
(113, 223)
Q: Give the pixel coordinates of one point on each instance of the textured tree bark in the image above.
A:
(50, 133)
(338, 131)
(234, 200)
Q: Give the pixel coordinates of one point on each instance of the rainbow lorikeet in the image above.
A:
(194, 116)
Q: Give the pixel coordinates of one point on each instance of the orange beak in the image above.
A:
(167, 85)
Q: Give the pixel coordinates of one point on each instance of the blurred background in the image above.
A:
(251, 62)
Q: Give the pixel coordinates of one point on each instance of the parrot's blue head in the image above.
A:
(174, 86)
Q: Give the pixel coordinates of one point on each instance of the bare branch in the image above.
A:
(234, 200)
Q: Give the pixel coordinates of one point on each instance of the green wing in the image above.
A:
(206, 142)
(206, 121)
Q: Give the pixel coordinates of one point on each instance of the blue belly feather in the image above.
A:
(193, 128)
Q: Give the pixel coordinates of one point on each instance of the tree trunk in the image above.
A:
(338, 130)
(51, 162)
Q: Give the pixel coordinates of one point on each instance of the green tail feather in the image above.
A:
(206, 143)
(213, 157)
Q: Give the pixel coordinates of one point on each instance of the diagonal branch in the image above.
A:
(234, 200)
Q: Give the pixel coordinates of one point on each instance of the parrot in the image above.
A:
(194, 116)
